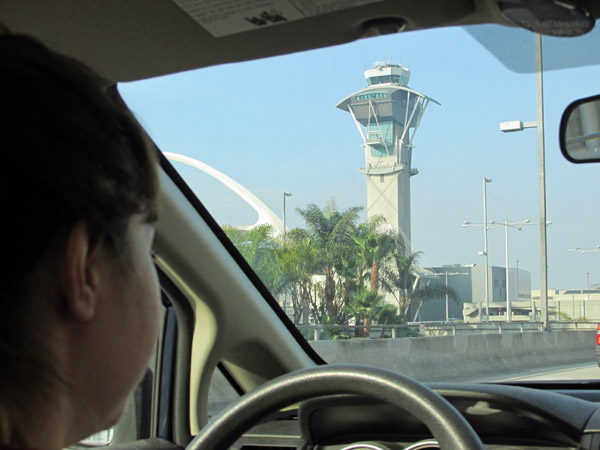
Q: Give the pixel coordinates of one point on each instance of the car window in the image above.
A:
(360, 201)
(220, 394)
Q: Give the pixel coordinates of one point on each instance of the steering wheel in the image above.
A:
(446, 424)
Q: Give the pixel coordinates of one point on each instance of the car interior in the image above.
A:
(231, 370)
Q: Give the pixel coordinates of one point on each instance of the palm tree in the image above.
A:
(258, 247)
(367, 306)
(297, 261)
(348, 282)
(373, 250)
(331, 230)
(403, 282)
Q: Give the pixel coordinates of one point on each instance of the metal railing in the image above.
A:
(316, 332)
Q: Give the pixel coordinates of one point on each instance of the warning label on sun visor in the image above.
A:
(225, 17)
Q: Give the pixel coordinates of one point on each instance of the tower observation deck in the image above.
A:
(388, 114)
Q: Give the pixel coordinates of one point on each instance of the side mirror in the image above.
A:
(580, 131)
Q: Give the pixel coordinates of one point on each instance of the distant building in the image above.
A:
(468, 281)
(571, 304)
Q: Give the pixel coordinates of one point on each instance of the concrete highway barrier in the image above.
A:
(452, 357)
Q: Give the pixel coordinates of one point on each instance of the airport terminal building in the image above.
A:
(468, 280)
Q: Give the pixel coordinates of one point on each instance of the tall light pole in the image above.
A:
(518, 280)
(587, 297)
(285, 194)
(508, 305)
(513, 225)
(447, 296)
(532, 304)
(467, 224)
(539, 124)
(588, 280)
(539, 71)
(584, 251)
(516, 226)
(506, 224)
(485, 250)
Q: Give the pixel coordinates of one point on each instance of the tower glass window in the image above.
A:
(381, 135)
(371, 96)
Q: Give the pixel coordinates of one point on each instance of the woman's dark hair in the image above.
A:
(69, 152)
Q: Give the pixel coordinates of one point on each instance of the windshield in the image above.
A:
(356, 181)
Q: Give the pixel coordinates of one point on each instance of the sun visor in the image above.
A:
(514, 47)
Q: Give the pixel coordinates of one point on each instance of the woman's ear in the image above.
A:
(81, 272)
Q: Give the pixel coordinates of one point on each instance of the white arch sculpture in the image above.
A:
(265, 215)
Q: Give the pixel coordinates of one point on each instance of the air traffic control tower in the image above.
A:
(388, 114)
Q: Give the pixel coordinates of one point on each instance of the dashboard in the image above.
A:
(504, 416)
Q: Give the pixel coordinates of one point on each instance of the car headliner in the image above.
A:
(137, 39)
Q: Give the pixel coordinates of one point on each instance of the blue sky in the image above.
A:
(272, 125)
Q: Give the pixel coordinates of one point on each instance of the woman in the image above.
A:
(79, 301)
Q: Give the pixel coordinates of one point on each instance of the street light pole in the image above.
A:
(506, 224)
(485, 250)
(517, 280)
(542, 180)
(514, 225)
(447, 296)
(587, 297)
(588, 280)
(583, 251)
(507, 127)
(508, 305)
(447, 303)
(285, 194)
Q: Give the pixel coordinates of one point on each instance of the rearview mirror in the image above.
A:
(580, 131)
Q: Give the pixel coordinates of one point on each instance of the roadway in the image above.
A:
(580, 371)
